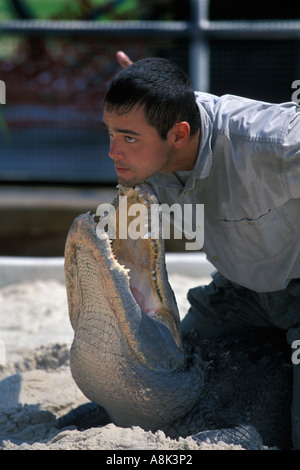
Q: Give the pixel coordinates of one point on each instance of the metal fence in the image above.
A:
(56, 74)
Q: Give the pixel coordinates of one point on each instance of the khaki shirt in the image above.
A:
(247, 175)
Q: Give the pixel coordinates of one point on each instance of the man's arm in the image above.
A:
(123, 59)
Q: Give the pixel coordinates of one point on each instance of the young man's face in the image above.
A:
(136, 148)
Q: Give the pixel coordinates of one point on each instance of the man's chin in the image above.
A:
(130, 183)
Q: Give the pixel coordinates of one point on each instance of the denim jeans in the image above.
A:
(224, 307)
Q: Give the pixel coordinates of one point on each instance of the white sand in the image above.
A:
(35, 381)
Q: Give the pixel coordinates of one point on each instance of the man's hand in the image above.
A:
(123, 59)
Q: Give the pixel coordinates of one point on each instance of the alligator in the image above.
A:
(132, 361)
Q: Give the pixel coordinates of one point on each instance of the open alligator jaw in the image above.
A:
(125, 276)
(143, 258)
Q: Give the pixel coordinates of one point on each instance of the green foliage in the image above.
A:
(75, 9)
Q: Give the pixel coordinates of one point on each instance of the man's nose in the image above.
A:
(115, 150)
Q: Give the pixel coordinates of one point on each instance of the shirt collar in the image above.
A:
(204, 161)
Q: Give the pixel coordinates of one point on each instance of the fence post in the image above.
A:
(199, 46)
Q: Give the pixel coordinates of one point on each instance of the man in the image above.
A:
(241, 159)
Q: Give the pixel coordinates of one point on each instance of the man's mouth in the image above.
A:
(121, 169)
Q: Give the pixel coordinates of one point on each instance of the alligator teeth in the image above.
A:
(151, 313)
(147, 235)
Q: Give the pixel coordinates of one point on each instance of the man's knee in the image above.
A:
(200, 317)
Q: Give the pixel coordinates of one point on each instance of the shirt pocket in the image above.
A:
(250, 241)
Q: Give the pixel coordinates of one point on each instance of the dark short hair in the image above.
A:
(161, 88)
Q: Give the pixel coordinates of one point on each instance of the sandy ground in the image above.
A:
(35, 381)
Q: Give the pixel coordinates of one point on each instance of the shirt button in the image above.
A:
(186, 192)
(215, 258)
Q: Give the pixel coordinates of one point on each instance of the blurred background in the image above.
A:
(57, 58)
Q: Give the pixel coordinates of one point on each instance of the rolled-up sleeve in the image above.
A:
(291, 157)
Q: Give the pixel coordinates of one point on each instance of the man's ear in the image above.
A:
(179, 134)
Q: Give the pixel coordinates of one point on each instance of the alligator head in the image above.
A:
(127, 354)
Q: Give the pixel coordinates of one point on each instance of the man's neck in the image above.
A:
(188, 155)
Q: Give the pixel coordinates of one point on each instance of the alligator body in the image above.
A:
(131, 360)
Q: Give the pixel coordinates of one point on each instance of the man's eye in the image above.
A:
(129, 139)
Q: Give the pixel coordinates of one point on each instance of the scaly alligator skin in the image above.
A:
(130, 359)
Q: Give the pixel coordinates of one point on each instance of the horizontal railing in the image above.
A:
(250, 29)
